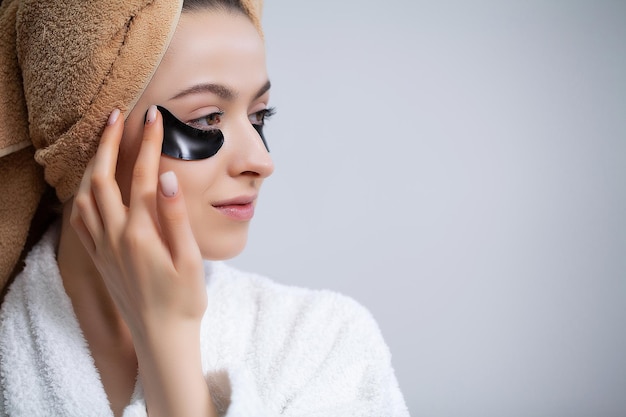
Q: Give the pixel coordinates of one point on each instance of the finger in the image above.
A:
(104, 187)
(145, 171)
(85, 208)
(83, 233)
(175, 225)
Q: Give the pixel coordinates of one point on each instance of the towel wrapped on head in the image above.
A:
(64, 66)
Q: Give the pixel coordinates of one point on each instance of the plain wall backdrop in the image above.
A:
(458, 167)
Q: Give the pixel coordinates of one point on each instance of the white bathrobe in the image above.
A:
(267, 350)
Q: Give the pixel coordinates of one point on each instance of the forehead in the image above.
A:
(212, 46)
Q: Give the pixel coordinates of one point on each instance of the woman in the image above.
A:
(116, 313)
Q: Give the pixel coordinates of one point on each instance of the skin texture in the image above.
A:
(131, 250)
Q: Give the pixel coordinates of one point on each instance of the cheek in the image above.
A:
(195, 178)
(202, 184)
(129, 149)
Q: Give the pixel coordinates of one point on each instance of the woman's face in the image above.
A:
(215, 63)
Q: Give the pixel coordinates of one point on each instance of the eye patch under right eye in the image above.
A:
(182, 141)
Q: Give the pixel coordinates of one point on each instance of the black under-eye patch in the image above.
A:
(259, 129)
(188, 143)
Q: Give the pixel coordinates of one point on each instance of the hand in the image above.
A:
(146, 253)
(152, 267)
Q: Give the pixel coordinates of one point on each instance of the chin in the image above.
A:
(222, 249)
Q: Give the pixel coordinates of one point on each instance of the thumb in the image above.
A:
(175, 225)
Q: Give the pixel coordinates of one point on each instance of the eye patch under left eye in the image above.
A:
(188, 143)
(259, 130)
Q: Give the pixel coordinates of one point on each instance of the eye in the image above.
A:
(259, 118)
(207, 122)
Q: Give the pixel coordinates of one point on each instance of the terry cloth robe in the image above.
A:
(267, 350)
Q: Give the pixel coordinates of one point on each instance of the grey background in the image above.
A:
(459, 168)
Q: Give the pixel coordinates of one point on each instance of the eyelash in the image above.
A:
(209, 121)
(263, 115)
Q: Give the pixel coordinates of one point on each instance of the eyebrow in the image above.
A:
(263, 89)
(219, 90)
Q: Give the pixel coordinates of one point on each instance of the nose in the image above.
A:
(249, 155)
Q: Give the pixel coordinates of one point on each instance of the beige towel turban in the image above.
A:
(64, 65)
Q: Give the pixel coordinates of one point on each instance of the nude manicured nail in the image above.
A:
(151, 115)
(113, 117)
(169, 183)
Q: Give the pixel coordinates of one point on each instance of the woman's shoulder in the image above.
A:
(269, 297)
(282, 316)
(303, 345)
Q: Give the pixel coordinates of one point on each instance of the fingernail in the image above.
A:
(151, 114)
(113, 117)
(169, 183)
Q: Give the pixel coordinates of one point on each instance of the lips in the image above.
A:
(239, 208)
